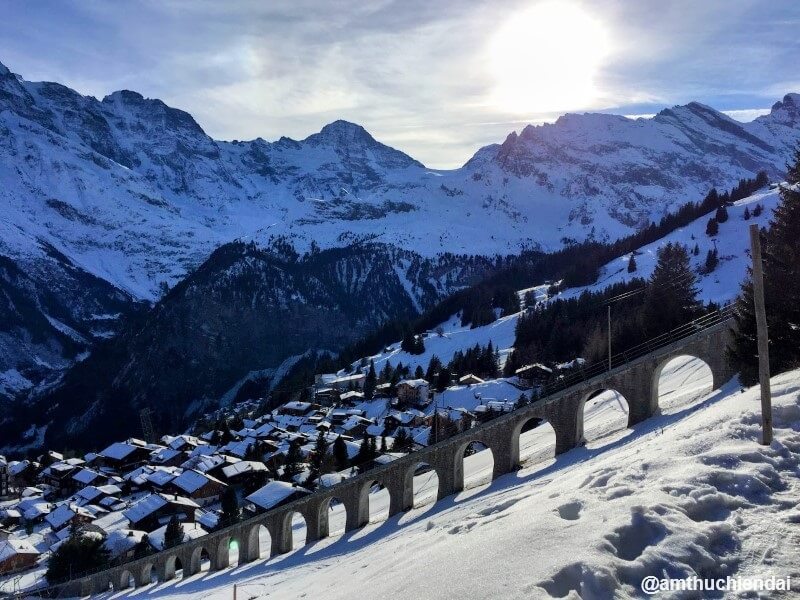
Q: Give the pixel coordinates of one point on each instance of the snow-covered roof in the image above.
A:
(274, 493)
(191, 481)
(119, 450)
(243, 466)
(351, 394)
(191, 531)
(414, 383)
(16, 547)
(534, 366)
(86, 476)
(149, 504)
(297, 405)
(120, 541)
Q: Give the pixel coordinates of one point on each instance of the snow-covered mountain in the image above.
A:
(105, 203)
(136, 193)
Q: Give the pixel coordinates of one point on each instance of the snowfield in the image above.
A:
(690, 492)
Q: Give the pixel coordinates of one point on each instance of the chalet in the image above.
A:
(96, 494)
(124, 455)
(325, 396)
(155, 510)
(382, 390)
(197, 486)
(17, 555)
(67, 515)
(412, 391)
(469, 379)
(406, 418)
(533, 375)
(191, 531)
(355, 425)
(352, 397)
(296, 409)
(246, 475)
(4, 477)
(492, 409)
(84, 477)
(59, 476)
(22, 473)
(348, 382)
(275, 493)
(121, 544)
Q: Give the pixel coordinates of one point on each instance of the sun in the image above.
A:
(546, 59)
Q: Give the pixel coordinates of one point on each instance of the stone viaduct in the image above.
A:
(637, 380)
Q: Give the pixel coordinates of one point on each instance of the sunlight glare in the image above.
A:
(546, 59)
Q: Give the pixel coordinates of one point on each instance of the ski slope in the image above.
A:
(690, 490)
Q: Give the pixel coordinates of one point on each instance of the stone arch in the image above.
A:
(258, 542)
(332, 516)
(172, 564)
(199, 556)
(422, 480)
(123, 581)
(228, 552)
(477, 464)
(146, 575)
(605, 411)
(679, 379)
(293, 534)
(374, 501)
(533, 441)
(101, 585)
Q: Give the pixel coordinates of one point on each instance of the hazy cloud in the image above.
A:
(416, 74)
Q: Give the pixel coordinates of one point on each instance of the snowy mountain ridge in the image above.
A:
(135, 192)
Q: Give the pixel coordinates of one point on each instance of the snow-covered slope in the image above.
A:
(688, 493)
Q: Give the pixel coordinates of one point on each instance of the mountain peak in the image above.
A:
(788, 109)
(4, 69)
(341, 130)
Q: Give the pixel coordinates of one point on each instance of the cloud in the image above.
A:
(416, 74)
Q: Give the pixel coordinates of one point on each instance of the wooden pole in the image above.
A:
(762, 336)
(234, 591)
(609, 337)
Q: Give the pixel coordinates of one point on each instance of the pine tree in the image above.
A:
(370, 381)
(722, 214)
(781, 260)
(173, 534)
(443, 379)
(671, 295)
(340, 454)
(433, 368)
(631, 264)
(419, 345)
(419, 373)
(793, 168)
(76, 556)
(746, 213)
(294, 461)
(143, 548)
(384, 445)
(696, 250)
(400, 442)
(231, 512)
(712, 228)
(711, 261)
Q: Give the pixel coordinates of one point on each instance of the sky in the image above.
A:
(436, 79)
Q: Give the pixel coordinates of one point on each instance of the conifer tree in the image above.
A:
(294, 461)
(746, 213)
(231, 512)
(711, 261)
(712, 228)
(722, 214)
(671, 295)
(419, 373)
(370, 381)
(173, 534)
(757, 210)
(340, 454)
(632, 264)
(793, 168)
(781, 260)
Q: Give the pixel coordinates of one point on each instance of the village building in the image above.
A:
(155, 510)
(469, 379)
(246, 475)
(413, 391)
(200, 487)
(124, 455)
(275, 493)
(534, 375)
(5, 478)
(17, 555)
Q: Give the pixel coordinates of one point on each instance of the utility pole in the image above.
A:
(762, 336)
(234, 591)
(609, 337)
